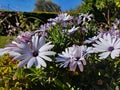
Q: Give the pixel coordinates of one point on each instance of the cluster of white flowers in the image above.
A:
(31, 47)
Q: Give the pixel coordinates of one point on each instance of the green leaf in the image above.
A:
(117, 88)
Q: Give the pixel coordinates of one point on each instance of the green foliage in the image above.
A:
(97, 75)
(108, 9)
(8, 68)
(11, 77)
(58, 38)
(4, 40)
(11, 23)
(84, 7)
(46, 6)
(104, 11)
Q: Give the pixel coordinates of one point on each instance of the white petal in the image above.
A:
(73, 29)
(33, 42)
(36, 42)
(97, 42)
(80, 66)
(65, 64)
(90, 50)
(61, 59)
(83, 61)
(46, 58)
(99, 49)
(66, 55)
(31, 62)
(104, 55)
(73, 65)
(113, 41)
(41, 41)
(87, 41)
(46, 47)
(17, 44)
(21, 57)
(22, 51)
(12, 53)
(41, 62)
(47, 53)
(109, 39)
(25, 45)
(105, 42)
(22, 63)
(115, 53)
(117, 44)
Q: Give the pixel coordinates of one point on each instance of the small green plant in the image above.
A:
(4, 40)
(11, 78)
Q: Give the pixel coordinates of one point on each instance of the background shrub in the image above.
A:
(11, 23)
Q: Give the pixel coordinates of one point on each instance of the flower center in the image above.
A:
(77, 58)
(35, 53)
(111, 48)
(86, 19)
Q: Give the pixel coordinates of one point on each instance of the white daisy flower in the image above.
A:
(33, 53)
(107, 45)
(61, 18)
(84, 19)
(72, 57)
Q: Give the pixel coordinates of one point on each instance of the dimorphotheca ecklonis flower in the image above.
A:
(61, 18)
(34, 52)
(107, 45)
(72, 57)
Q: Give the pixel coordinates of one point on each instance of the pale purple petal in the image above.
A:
(65, 64)
(61, 59)
(46, 47)
(47, 53)
(41, 62)
(31, 62)
(115, 53)
(104, 55)
(80, 66)
(73, 65)
(46, 58)
(21, 57)
(83, 60)
(41, 41)
(23, 63)
(36, 42)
